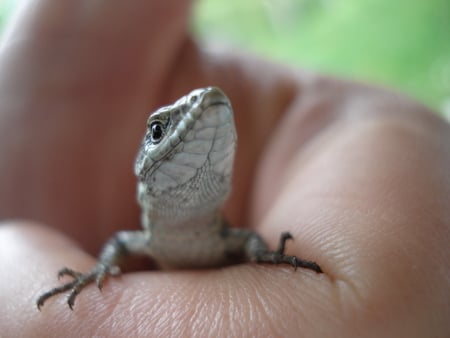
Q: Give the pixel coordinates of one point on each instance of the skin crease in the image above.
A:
(358, 175)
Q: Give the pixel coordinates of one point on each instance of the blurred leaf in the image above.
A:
(404, 44)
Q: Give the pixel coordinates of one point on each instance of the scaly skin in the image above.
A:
(184, 168)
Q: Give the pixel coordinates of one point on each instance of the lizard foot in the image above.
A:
(79, 282)
(278, 256)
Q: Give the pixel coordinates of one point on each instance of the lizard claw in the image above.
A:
(68, 272)
(297, 262)
(79, 282)
(279, 257)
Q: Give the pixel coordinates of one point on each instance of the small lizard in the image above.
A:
(184, 168)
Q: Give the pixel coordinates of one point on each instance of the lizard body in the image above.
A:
(184, 168)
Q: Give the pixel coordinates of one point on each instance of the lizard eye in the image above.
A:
(157, 132)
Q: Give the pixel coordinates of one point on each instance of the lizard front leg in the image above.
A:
(257, 250)
(119, 246)
(249, 246)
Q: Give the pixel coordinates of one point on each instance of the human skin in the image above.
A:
(357, 174)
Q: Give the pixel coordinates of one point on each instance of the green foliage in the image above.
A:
(5, 9)
(404, 44)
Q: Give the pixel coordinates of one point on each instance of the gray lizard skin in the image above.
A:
(184, 168)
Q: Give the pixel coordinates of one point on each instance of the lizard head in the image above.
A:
(189, 146)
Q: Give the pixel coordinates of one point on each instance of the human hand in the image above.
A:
(356, 174)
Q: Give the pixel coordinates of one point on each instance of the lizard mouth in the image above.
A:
(214, 96)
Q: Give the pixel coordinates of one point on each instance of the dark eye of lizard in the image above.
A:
(157, 131)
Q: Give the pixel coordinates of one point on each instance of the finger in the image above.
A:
(30, 256)
(92, 52)
(237, 300)
(77, 82)
(366, 198)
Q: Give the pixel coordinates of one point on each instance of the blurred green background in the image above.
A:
(403, 44)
